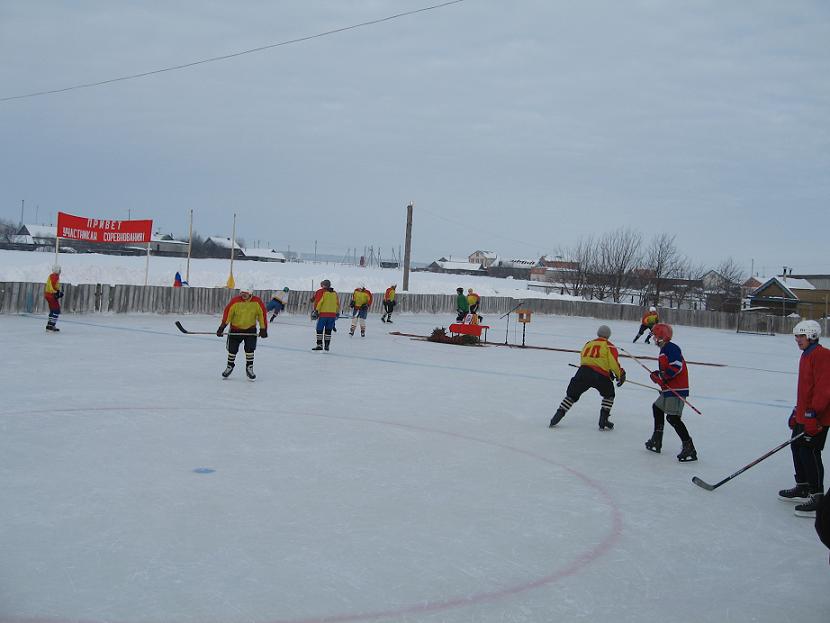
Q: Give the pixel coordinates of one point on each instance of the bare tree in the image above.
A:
(663, 261)
(7, 230)
(577, 281)
(688, 285)
(723, 286)
(619, 253)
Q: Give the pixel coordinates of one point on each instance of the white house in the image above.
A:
(484, 258)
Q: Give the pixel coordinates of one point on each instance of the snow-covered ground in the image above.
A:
(114, 269)
(388, 480)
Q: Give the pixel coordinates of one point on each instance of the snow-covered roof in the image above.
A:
(447, 265)
(40, 231)
(796, 284)
(490, 255)
(264, 253)
(167, 239)
(517, 263)
(225, 243)
(788, 284)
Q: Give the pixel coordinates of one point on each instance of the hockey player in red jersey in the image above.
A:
(811, 416)
(599, 365)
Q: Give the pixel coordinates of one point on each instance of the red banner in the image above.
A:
(99, 230)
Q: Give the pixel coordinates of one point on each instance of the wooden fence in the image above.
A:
(21, 297)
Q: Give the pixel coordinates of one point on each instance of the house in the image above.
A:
(484, 258)
(720, 293)
(166, 245)
(443, 265)
(216, 246)
(553, 271)
(750, 285)
(262, 255)
(515, 268)
(785, 295)
(38, 235)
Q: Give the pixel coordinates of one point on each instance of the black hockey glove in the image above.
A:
(263, 333)
(59, 294)
(315, 314)
(351, 303)
(221, 330)
(621, 378)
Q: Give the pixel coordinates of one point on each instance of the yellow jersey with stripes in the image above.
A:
(242, 314)
(602, 356)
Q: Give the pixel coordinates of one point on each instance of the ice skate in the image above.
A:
(604, 421)
(808, 508)
(799, 494)
(227, 371)
(249, 371)
(688, 453)
(655, 444)
(557, 417)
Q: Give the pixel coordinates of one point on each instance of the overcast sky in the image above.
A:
(517, 127)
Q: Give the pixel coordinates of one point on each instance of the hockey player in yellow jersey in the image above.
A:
(599, 366)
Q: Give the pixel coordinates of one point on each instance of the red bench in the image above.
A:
(469, 329)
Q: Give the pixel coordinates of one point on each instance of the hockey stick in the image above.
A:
(662, 385)
(183, 330)
(708, 487)
(627, 381)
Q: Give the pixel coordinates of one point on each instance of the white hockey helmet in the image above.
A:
(248, 287)
(652, 308)
(56, 269)
(810, 328)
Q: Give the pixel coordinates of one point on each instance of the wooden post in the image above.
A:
(189, 247)
(231, 283)
(147, 265)
(407, 247)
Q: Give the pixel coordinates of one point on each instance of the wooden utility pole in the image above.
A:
(407, 247)
(231, 283)
(189, 246)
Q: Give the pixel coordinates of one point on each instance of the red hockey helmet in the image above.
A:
(662, 332)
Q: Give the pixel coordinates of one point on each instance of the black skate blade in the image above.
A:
(703, 485)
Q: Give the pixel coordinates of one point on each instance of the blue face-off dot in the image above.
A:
(203, 470)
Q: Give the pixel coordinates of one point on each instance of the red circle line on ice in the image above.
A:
(424, 607)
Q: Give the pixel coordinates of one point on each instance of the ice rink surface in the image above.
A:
(388, 480)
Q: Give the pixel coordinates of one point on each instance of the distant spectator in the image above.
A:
(52, 293)
(461, 305)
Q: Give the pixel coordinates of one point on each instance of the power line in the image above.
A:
(232, 55)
